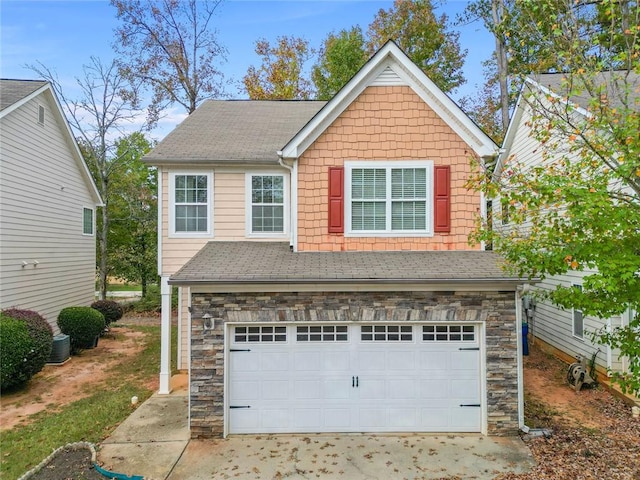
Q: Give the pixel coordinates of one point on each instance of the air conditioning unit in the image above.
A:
(61, 349)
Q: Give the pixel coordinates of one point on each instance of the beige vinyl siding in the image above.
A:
(228, 218)
(42, 197)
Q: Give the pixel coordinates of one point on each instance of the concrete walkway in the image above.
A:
(154, 442)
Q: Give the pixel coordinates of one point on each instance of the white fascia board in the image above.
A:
(509, 137)
(392, 56)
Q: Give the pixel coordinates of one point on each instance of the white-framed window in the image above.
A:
(578, 318)
(88, 225)
(389, 198)
(191, 204)
(267, 204)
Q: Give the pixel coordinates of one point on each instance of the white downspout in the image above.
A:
(293, 204)
(520, 367)
(160, 227)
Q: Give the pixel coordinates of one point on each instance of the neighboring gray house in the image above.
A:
(563, 332)
(48, 205)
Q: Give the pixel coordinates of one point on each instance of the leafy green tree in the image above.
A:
(528, 39)
(170, 46)
(107, 104)
(427, 40)
(134, 214)
(579, 208)
(281, 75)
(340, 58)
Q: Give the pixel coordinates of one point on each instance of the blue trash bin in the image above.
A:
(525, 339)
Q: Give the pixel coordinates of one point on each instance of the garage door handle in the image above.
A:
(239, 406)
(357, 382)
(470, 405)
(469, 348)
(239, 349)
(353, 382)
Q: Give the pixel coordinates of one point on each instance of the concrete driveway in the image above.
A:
(354, 457)
(154, 442)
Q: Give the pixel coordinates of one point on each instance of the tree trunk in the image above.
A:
(497, 11)
(102, 242)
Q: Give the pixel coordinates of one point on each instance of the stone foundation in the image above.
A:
(495, 309)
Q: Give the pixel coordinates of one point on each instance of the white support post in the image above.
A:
(165, 338)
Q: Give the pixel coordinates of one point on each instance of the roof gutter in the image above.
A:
(364, 281)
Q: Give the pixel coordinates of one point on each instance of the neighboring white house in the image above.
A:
(561, 331)
(48, 205)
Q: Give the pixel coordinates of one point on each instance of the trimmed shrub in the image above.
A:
(111, 310)
(82, 324)
(41, 334)
(15, 347)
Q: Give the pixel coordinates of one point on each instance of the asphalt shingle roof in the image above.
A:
(235, 131)
(274, 262)
(12, 91)
(612, 80)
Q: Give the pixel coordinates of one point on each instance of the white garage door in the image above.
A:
(353, 378)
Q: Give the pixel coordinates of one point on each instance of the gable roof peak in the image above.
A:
(391, 66)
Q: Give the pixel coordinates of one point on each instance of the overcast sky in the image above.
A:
(63, 35)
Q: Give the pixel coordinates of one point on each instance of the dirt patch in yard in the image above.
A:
(593, 435)
(59, 385)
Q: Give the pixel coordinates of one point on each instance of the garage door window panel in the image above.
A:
(260, 334)
(386, 333)
(322, 333)
(448, 333)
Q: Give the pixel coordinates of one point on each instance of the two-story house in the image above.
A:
(48, 205)
(325, 279)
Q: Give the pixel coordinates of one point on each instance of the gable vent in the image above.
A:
(388, 78)
(40, 114)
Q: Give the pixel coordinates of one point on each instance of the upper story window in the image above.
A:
(266, 205)
(392, 198)
(191, 201)
(87, 221)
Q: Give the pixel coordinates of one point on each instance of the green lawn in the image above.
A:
(91, 419)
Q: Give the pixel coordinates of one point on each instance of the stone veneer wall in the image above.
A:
(496, 309)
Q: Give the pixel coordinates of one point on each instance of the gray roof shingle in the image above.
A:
(235, 131)
(273, 262)
(12, 91)
(612, 81)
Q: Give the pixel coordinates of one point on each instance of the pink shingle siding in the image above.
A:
(384, 123)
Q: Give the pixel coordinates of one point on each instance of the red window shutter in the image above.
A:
(442, 199)
(336, 199)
